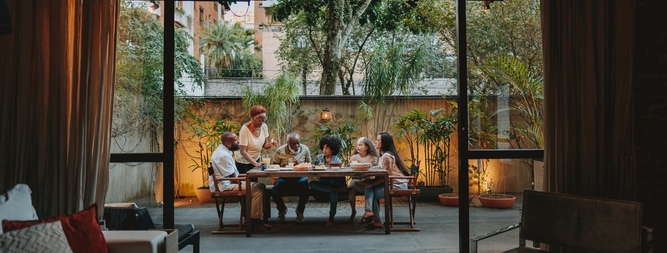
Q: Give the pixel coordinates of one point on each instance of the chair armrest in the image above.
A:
(473, 241)
(235, 180)
(647, 239)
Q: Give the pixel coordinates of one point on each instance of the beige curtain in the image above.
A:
(588, 54)
(57, 79)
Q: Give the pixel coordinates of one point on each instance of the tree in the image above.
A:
(139, 71)
(229, 47)
(335, 18)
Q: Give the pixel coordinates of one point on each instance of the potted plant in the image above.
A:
(452, 199)
(433, 132)
(206, 133)
(493, 199)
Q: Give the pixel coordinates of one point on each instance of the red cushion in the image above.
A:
(81, 229)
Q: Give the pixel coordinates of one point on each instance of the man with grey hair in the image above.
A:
(298, 153)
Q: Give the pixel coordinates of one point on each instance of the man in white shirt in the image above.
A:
(224, 166)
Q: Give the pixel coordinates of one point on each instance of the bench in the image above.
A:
(579, 223)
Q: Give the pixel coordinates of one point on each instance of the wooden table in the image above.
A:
(342, 172)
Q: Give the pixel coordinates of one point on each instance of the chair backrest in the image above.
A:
(583, 223)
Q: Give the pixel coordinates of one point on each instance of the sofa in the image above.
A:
(23, 231)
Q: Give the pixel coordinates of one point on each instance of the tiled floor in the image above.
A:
(438, 224)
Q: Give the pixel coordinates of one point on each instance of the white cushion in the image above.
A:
(17, 205)
(138, 241)
(43, 237)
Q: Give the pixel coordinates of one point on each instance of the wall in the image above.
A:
(650, 108)
(509, 175)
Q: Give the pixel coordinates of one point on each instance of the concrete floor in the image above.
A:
(438, 224)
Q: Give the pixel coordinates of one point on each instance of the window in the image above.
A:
(201, 16)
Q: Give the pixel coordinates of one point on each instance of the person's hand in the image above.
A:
(274, 143)
(296, 161)
(257, 165)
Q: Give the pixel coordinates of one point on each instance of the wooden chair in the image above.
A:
(221, 197)
(411, 193)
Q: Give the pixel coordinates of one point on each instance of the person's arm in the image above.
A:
(267, 144)
(244, 152)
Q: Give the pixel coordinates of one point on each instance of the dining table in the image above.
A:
(314, 172)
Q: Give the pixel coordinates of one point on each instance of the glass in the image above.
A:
(290, 162)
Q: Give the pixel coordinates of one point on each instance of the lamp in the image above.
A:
(154, 7)
(325, 114)
(487, 4)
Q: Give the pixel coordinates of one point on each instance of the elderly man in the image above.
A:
(298, 153)
(224, 166)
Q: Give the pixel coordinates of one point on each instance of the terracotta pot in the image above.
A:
(497, 200)
(204, 195)
(452, 199)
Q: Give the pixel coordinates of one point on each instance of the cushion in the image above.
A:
(17, 205)
(43, 237)
(81, 229)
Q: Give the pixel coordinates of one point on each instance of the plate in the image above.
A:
(322, 168)
(272, 169)
(286, 168)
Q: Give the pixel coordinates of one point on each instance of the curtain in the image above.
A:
(588, 56)
(57, 79)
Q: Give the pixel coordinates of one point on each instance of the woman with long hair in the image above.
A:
(364, 152)
(389, 160)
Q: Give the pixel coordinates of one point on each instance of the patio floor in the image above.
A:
(438, 224)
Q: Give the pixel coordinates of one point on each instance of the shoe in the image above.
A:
(281, 215)
(329, 223)
(366, 219)
(374, 225)
(299, 216)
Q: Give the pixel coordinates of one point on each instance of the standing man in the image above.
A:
(224, 166)
(298, 153)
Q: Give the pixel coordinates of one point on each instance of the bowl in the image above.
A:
(302, 167)
(360, 166)
(334, 164)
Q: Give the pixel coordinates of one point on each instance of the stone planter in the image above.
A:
(204, 195)
(497, 200)
(452, 199)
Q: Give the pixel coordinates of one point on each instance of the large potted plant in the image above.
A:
(206, 133)
(432, 132)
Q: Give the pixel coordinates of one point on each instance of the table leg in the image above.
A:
(387, 205)
(248, 206)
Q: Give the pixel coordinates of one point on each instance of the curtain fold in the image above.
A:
(57, 92)
(588, 55)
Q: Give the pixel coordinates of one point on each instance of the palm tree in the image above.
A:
(528, 89)
(223, 44)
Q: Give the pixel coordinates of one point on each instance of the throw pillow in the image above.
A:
(43, 237)
(81, 229)
(17, 205)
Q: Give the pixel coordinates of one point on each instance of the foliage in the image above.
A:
(329, 27)
(206, 133)
(434, 131)
(345, 131)
(139, 91)
(527, 89)
(409, 128)
(228, 48)
(279, 98)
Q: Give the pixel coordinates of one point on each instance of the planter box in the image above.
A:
(430, 193)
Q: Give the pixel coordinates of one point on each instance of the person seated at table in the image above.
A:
(298, 153)
(389, 160)
(224, 166)
(364, 152)
(330, 147)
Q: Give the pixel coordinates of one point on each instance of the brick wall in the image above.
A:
(650, 107)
